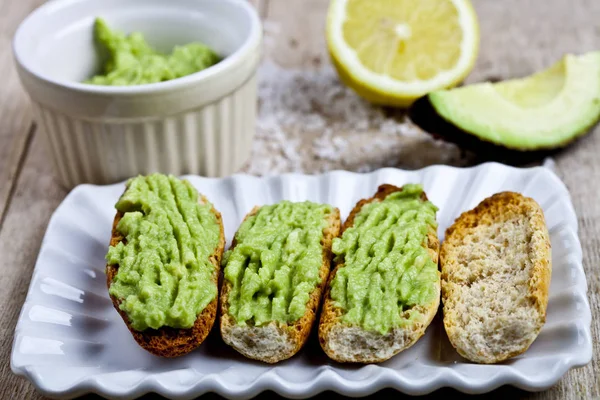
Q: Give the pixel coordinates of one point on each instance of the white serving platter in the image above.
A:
(69, 340)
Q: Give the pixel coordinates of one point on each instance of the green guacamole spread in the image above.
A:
(276, 262)
(131, 60)
(387, 270)
(164, 276)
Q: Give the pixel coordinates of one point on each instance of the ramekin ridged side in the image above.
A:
(212, 140)
(202, 123)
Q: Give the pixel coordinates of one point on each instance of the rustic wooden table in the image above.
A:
(517, 38)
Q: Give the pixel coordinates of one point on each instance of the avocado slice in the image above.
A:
(542, 112)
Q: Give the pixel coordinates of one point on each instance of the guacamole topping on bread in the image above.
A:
(275, 264)
(129, 60)
(386, 265)
(165, 277)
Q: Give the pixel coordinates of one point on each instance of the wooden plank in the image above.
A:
(261, 6)
(296, 33)
(35, 198)
(16, 131)
(519, 37)
(15, 113)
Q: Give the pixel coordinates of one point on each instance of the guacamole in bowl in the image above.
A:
(130, 60)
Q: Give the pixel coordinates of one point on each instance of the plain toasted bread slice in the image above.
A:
(346, 343)
(278, 341)
(496, 270)
(167, 341)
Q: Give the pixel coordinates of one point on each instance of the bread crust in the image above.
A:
(290, 337)
(398, 339)
(167, 341)
(498, 208)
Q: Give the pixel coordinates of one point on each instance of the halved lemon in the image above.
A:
(392, 52)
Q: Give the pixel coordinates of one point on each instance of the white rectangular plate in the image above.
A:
(69, 340)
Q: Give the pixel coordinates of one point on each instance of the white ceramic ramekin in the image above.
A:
(200, 124)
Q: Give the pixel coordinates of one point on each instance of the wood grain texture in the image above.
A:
(15, 114)
(36, 196)
(299, 28)
(518, 37)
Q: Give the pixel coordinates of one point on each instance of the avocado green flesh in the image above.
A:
(387, 270)
(164, 277)
(276, 262)
(131, 60)
(543, 111)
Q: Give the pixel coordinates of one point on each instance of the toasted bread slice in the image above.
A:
(346, 343)
(496, 270)
(278, 341)
(167, 341)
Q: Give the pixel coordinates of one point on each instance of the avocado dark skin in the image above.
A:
(424, 115)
